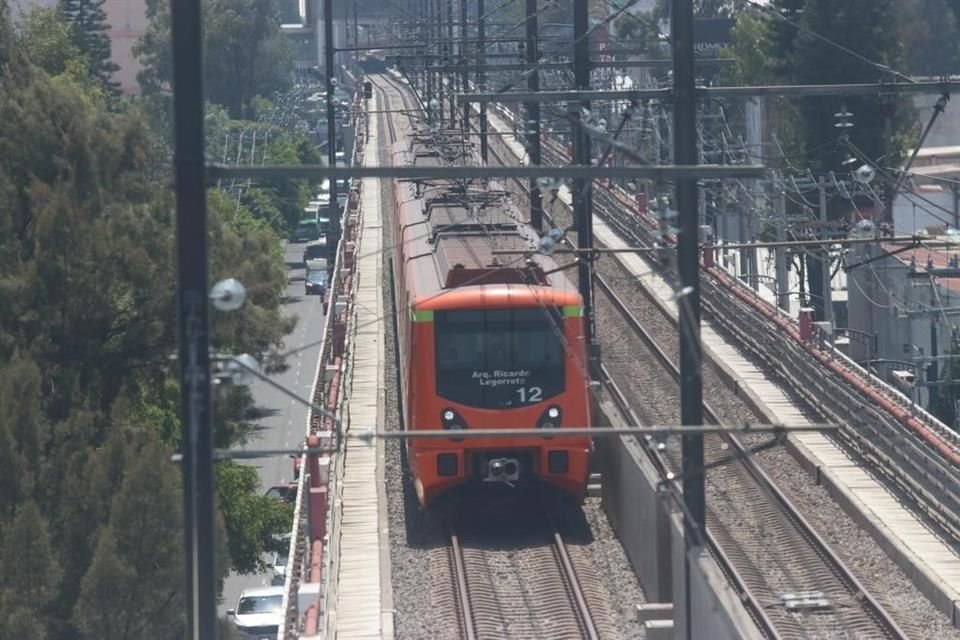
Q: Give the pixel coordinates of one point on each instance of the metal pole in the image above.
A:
(532, 124)
(448, 59)
(685, 153)
(825, 257)
(436, 22)
(356, 37)
(780, 254)
(481, 59)
(333, 239)
(464, 78)
(582, 201)
(193, 321)
(426, 36)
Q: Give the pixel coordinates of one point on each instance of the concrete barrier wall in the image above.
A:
(637, 513)
(713, 610)
(652, 537)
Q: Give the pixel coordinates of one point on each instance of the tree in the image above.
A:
(89, 27)
(245, 54)
(46, 40)
(135, 582)
(31, 574)
(930, 37)
(253, 522)
(6, 34)
(86, 328)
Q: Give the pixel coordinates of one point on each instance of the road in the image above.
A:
(285, 421)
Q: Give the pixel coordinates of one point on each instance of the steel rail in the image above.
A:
(463, 590)
(753, 604)
(842, 571)
(570, 576)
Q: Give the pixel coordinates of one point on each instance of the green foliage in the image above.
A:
(89, 403)
(6, 33)
(46, 40)
(253, 522)
(31, 574)
(245, 54)
(133, 586)
(930, 36)
(752, 42)
(88, 22)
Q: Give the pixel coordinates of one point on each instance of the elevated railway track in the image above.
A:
(915, 456)
(915, 460)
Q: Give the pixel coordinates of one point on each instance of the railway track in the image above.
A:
(826, 595)
(819, 593)
(538, 596)
(515, 578)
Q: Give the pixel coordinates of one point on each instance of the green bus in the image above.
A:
(308, 230)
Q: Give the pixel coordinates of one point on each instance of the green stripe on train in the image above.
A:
(418, 315)
(573, 311)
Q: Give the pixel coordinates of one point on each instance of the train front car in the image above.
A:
(487, 341)
(493, 357)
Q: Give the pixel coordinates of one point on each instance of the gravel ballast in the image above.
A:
(656, 399)
(417, 539)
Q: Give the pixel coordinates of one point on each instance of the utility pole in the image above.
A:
(356, 36)
(193, 321)
(334, 207)
(436, 19)
(688, 263)
(825, 255)
(481, 59)
(427, 35)
(582, 200)
(448, 59)
(532, 125)
(780, 254)
(464, 78)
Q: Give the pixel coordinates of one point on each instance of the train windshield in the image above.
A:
(496, 358)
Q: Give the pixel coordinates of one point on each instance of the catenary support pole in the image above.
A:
(481, 60)
(193, 321)
(356, 36)
(464, 77)
(448, 59)
(685, 153)
(333, 239)
(826, 285)
(532, 124)
(780, 254)
(582, 201)
(436, 26)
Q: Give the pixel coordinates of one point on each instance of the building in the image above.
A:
(128, 23)
(902, 315)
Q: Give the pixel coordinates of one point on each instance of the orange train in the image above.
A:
(485, 341)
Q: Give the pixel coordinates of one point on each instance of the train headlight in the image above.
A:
(550, 418)
(452, 422)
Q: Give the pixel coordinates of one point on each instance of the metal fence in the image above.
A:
(313, 558)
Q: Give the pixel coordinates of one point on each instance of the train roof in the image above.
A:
(452, 229)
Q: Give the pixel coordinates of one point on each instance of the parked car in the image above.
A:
(258, 615)
(315, 250)
(284, 492)
(316, 282)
